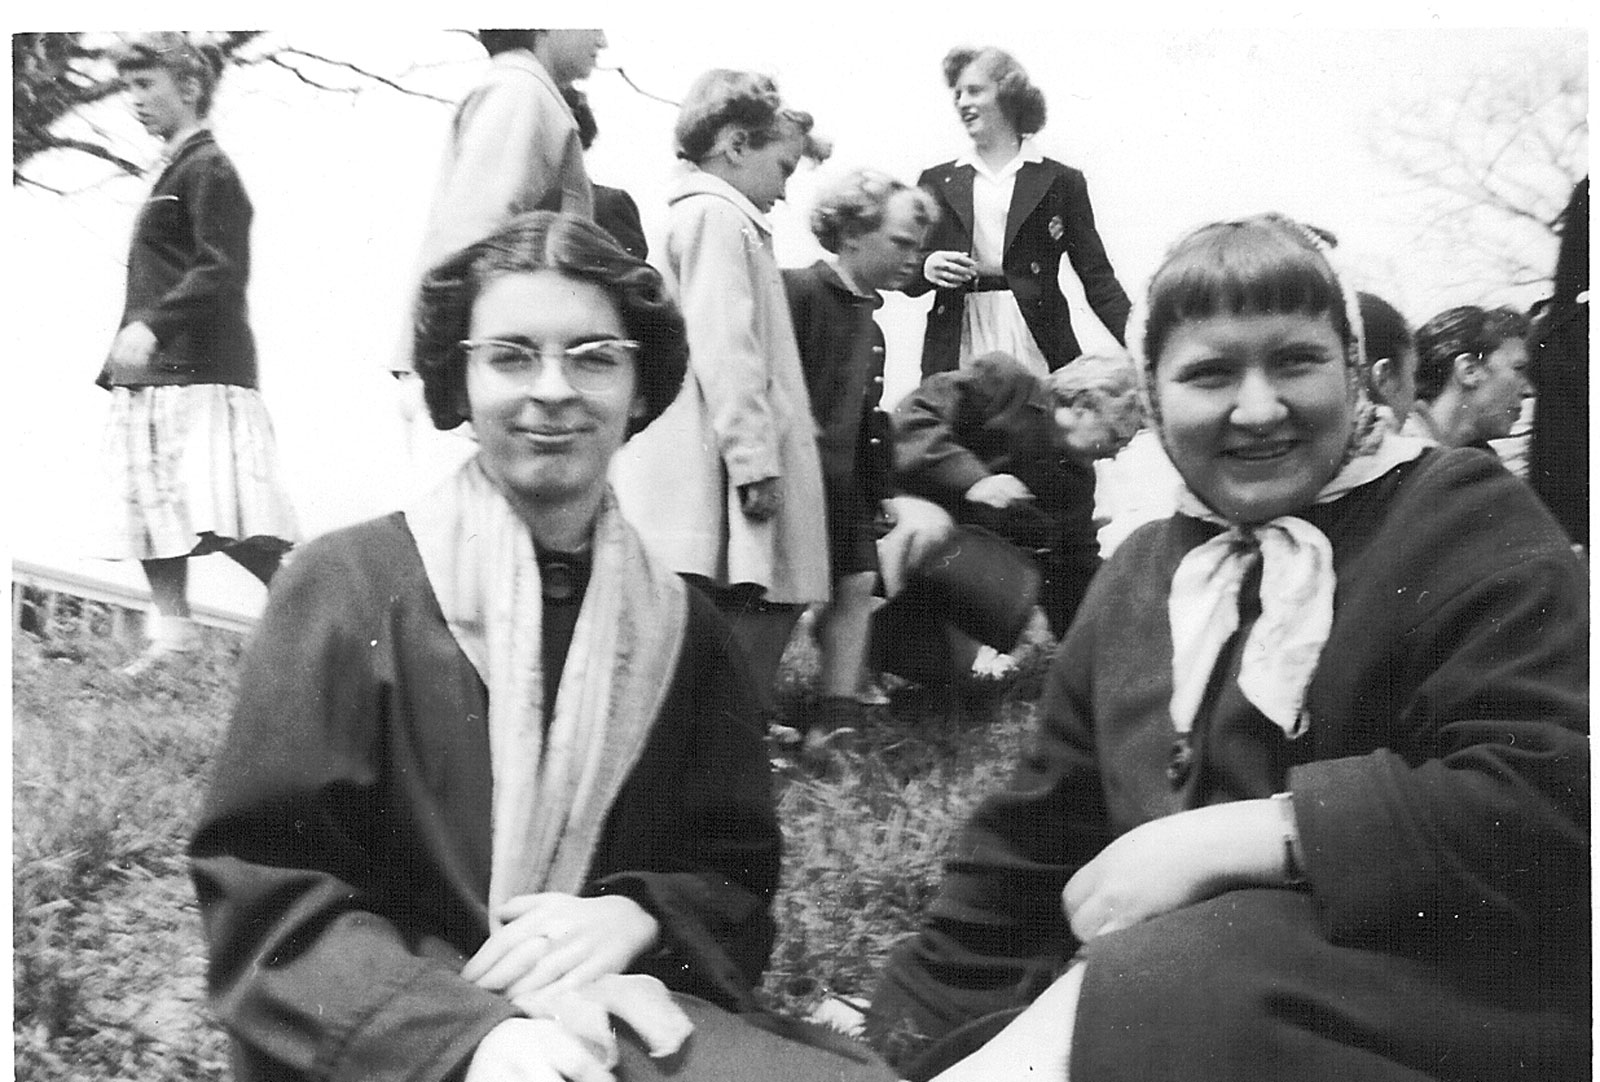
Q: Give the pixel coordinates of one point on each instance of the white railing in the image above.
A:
(122, 600)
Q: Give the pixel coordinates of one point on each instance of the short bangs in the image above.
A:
(1261, 266)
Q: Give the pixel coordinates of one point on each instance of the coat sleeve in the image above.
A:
(713, 896)
(1084, 248)
(314, 972)
(1473, 825)
(216, 279)
(716, 289)
(995, 936)
(930, 459)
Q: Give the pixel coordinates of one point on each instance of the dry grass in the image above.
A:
(108, 964)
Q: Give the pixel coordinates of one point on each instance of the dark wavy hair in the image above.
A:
(176, 53)
(1020, 101)
(536, 241)
(1265, 265)
(855, 205)
(1464, 329)
(747, 100)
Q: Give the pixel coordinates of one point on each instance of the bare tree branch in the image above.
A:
(278, 58)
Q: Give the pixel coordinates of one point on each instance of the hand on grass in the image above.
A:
(1168, 863)
(556, 942)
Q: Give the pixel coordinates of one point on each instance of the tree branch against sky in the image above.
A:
(1493, 164)
(55, 77)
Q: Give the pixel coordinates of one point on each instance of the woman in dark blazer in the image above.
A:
(191, 462)
(1009, 215)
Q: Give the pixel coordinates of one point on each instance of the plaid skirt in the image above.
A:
(191, 470)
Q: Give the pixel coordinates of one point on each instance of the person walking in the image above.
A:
(189, 450)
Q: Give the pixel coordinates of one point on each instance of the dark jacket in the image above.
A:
(617, 213)
(1441, 794)
(188, 267)
(343, 854)
(956, 428)
(841, 354)
(1044, 192)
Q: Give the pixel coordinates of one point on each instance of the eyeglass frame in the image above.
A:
(576, 378)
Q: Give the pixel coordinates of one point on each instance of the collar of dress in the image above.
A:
(693, 180)
(1027, 152)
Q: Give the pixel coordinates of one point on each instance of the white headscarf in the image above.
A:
(1285, 644)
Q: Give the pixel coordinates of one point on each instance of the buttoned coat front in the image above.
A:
(743, 414)
(1050, 216)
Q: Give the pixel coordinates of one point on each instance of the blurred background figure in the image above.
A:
(614, 209)
(514, 146)
(727, 485)
(1009, 215)
(1558, 466)
(191, 460)
(874, 225)
(1391, 354)
(1472, 374)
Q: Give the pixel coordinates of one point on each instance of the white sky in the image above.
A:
(1174, 122)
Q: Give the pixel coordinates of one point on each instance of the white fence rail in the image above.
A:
(48, 584)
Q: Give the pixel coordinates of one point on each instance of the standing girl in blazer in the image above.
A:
(192, 466)
(1010, 214)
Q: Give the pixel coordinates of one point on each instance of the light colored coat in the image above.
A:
(513, 147)
(742, 416)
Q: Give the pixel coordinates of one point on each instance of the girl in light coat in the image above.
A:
(727, 484)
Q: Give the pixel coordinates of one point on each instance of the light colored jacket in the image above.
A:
(742, 416)
(513, 147)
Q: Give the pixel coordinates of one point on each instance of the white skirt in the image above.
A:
(992, 323)
(191, 470)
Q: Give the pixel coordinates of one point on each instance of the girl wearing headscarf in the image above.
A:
(1310, 796)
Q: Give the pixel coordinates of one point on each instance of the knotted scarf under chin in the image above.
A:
(552, 787)
(1284, 646)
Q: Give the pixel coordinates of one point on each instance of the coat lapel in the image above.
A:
(955, 187)
(1033, 180)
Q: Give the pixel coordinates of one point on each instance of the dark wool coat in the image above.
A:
(841, 354)
(1441, 792)
(1045, 192)
(188, 266)
(342, 858)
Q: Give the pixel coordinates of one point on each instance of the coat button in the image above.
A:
(1033, 267)
(939, 309)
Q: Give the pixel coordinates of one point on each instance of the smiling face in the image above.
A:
(539, 439)
(1255, 410)
(1497, 400)
(890, 255)
(164, 104)
(977, 101)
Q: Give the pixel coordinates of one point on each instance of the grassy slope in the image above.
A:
(109, 770)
